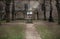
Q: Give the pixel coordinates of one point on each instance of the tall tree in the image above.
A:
(50, 17)
(37, 15)
(7, 10)
(26, 9)
(13, 10)
(1, 9)
(58, 9)
(44, 9)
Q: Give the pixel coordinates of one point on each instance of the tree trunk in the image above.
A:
(7, 9)
(58, 9)
(44, 8)
(37, 16)
(59, 17)
(50, 17)
(13, 10)
(1, 9)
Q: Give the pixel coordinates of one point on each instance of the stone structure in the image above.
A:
(38, 7)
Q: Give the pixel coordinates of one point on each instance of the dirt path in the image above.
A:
(31, 32)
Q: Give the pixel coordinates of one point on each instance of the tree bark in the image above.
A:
(50, 17)
(37, 16)
(58, 9)
(1, 9)
(7, 10)
(44, 8)
(13, 10)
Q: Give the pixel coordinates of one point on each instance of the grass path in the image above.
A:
(31, 32)
(22, 30)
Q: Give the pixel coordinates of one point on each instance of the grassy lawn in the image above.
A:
(48, 32)
(12, 32)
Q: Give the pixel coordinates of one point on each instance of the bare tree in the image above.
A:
(50, 17)
(13, 10)
(58, 9)
(1, 8)
(37, 15)
(7, 10)
(44, 9)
